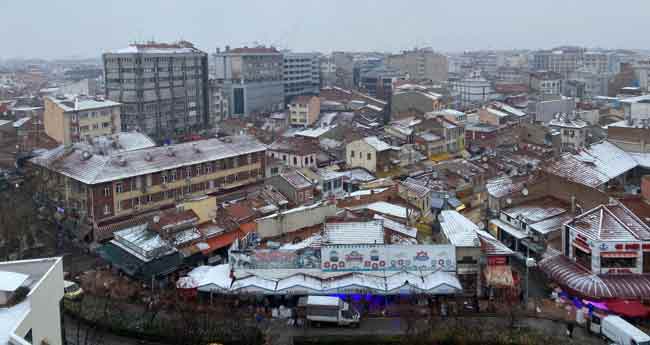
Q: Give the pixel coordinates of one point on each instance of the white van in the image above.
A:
(622, 332)
(325, 309)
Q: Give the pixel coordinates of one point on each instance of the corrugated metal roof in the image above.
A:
(491, 246)
(611, 223)
(378, 144)
(551, 224)
(398, 227)
(371, 232)
(506, 185)
(100, 169)
(536, 210)
(593, 166)
(459, 230)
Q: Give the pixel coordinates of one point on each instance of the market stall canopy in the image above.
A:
(628, 308)
(587, 284)
(499, 276)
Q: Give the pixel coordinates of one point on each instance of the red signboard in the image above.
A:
(496, 260)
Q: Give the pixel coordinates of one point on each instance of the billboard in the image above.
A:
(372, 257)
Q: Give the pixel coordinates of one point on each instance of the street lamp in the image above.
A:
(530, 262)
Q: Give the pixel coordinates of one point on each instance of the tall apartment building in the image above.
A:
(253, 79)
(301, 74)
(99, 188)
(163, 87)
(70, 120)
(642, 72)
(596, 62)
(218, 102)
(344, 63)
(421, 64)
(327, 71)
(561, 60)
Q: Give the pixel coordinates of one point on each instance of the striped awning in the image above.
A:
(578, 279)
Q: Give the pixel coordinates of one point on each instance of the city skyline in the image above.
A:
(71, 29)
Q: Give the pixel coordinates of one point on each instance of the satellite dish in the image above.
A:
(509, 201)
(524, 191)
(481, 226)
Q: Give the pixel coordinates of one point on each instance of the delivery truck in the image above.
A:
(621, 332)
(317, 310)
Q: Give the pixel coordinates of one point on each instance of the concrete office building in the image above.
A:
(561, 60)
(471, 91)
(421, 64)
(253, 79)
(163, 87)
(301, 74)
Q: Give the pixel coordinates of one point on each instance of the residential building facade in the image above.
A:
(70, 120)
(370, 153)
(97, 188)
(421, 64)
(163, 87)
(304, 110)
(546, 83)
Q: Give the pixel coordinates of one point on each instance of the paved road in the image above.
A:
(283, 335)
(80, 334)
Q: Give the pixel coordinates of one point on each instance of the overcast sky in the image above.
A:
(86, 28)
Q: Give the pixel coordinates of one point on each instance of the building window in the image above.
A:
(107, 210)
(107, 191)
(119, 188)
(369, 156)
(172, 176)
(351, 153)
(295, 161)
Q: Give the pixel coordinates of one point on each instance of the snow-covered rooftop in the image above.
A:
(370, 232)
(99, 169)
(377, 143)
(459, 230)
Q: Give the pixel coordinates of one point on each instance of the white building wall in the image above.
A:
(287, 223)
(360, 158)
(44, 317)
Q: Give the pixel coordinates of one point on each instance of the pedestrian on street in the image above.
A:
(569, 329)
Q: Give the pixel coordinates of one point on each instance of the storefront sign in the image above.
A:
(496, 260)
(388, 257)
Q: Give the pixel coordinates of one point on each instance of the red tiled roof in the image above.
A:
(228, 238)
(173, 216)
(240, 211)
(581, 281)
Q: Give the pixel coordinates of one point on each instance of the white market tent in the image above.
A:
(297, 282)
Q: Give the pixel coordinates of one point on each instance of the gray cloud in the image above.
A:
(37, 28)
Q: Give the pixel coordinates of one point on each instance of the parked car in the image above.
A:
(72, 290)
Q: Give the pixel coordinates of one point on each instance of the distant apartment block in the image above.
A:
(218, 102)
(301, 74)
(70, 120)
(546, 83)
(561, 60)
(253, 79)
(163, 87)
(421, 64)
(304, 110)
